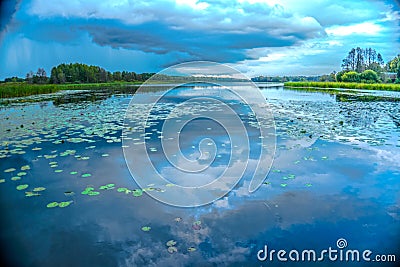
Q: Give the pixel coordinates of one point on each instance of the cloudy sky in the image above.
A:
(259, 37)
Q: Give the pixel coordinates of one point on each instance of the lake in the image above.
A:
(68, 198)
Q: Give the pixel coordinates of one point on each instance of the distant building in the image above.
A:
(391, 75)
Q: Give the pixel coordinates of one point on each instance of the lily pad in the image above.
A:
(38, 189)
(22, 187)
(122, 189)
(52, 205)
(324, 157)
(191, 249)
(10, 170)
(172, 249)
(31, 194)
(137, 193)
(21, 173)
(283, 185)
(73, 172)
(25, 167)
(86, 175)
(93, 193)
(58, 171)
(171, 243)
(2, 181)
(15, 178)
(308, 184)
(69, 193)
(64, 204)
(146, 228)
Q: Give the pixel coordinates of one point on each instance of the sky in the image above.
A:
(258, 37)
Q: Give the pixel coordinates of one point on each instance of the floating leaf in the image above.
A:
(86, 175)
(122, 189)
(10, 170)
(93, 193)
(52, 205)
(105, 155)
(178, 219)
(74, 172)
(276, 170)
(170, 185)
(171, 243)
(25, 167)
(146, 228)
(283, 185)
(308, 184)
(297, 162)
(267, 183)
(69, 193)
(291, 176)
(172, 249)
(2, 180)
(15, 178)
(324, 157)
(21, 173)
(137, 193)
(191, 249)
(31, 194)
(64, 204)
(22, 187)
(38, 189)
(58, 171)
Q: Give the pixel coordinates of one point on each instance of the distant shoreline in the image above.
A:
(345, 85)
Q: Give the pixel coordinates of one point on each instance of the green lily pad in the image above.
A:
(58, 171)
(171, 243)
(64, 204)
(25, 167)
(86, 175)
(73, 172)
(52, 205)
(10, 170)
(283, 185)
(21, 173)
(122, 189)
(105, 155)
(38, 189)
(31, 194)
(137, 193)
(191, 249)
(2, 181)
(172, 249)
(308, 184)
(22, 187)
(69, 193)
(291, 176)
(276, 170)
(15, 178)
(297, 162)
(146, 228)
(93, 193)
(324, 157)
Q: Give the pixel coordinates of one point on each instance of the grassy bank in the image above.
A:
(15, 89)
(327, 85)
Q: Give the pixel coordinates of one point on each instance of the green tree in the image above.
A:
(369, 76)
(351, 76)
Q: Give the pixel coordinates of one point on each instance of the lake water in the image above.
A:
(335, 175)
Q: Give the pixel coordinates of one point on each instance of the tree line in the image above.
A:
(79, 73)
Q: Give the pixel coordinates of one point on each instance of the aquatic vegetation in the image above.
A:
(137, 193)
(196, 225)
(146, 228)
(172, 249)
(10, 170)
(52, 205)
(191, 249)
(86, 175)
(171, 243)
(22, 187)
(2, 181)
(38, 189)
